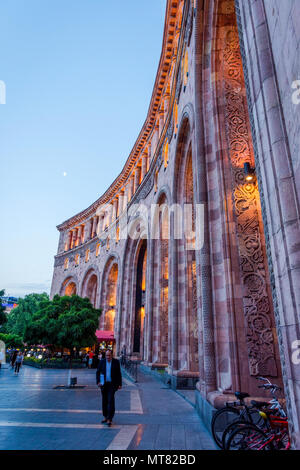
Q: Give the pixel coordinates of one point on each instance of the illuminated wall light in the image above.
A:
(249, 172)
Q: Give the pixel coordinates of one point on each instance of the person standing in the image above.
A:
(91, 356)
(13, 358)
(19, 362)
(109, 379)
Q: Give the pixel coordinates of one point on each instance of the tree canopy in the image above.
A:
(11, 341)
(66, 322)
(21, 316)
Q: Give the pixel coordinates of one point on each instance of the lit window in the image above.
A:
(166, 154)
(77, 259)
(66, 264)
(117, 234)
(87, 255)
(175, 117)
(98, 249)
(185, 68)
(107, 244)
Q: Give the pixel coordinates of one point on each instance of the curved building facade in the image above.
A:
(193, 251)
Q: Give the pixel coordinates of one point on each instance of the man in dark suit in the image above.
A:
(109, 379)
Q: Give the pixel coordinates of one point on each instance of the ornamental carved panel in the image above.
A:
(258, 311)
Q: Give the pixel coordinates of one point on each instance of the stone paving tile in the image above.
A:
(168, 421)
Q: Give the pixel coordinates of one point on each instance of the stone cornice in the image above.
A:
(161, 79)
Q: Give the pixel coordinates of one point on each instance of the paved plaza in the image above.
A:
(150, 416)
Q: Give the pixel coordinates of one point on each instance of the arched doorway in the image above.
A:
(140, 297)
(89, 286)
(184, 250)
(160, 257)
(68, 287)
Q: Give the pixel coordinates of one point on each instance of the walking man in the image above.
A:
(18, 362)
(109, 379)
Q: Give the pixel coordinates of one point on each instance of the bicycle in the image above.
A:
(274, 436)
(273, 405)
(231, 413)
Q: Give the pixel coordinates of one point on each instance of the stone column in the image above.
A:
(121, 205)
(161, 121)
(137, 176)
(81, 238)
(278, 184)
(93, 227)
(76, 240)
(70, 236)
(144, 165)
(166, 105)
(131, 187)
(115, 211)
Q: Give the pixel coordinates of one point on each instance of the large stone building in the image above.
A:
(220, 308)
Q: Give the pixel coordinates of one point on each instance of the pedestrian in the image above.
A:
(19, 362)
(87, 359)
(91, 355)
(109, 379)
(13, 358)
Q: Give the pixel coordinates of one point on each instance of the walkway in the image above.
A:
(34, 415)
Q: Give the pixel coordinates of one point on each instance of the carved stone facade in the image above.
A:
(215, 316)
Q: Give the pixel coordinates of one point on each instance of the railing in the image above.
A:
(130, 366)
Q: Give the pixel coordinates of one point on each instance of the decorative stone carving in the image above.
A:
(189, 25)
(145, 189)
(178, 84)
(257, 305)
(170, 130)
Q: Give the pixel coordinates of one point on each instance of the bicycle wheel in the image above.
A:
(244, 418)
(221, 419)
(229, 430)
(249, 437)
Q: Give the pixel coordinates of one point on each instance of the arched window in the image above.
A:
(66, 264)
(77, 259)
(166, 153)
(87, 255)
(98, 249)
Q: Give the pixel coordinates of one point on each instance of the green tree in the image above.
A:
(3, 316)
(21, 316)
(66, 322)
(11, 341)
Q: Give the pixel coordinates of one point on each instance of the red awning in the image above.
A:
(103, 335)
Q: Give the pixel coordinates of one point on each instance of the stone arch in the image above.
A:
(133, 322)
(160, 322)
(69, 286)
(90, 286)
(186, 284)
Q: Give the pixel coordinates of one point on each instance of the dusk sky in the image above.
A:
(79, 78)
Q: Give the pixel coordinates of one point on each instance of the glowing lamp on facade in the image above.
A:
(249, 172)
